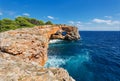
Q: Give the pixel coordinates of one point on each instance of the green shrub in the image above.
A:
(22, 22)
(7, 24)
(49, 23)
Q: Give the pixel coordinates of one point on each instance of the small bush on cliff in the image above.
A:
(41, 22)
(22, 22)
(34, 21)
(49, 23)
(7, 24)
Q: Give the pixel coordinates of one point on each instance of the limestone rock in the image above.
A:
(30, 44)
(23, 52)
(21, 71)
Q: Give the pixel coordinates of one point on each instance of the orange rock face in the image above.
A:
(30, 44)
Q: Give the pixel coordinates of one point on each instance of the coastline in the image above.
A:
(29, 46)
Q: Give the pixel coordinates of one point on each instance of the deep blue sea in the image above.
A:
(95, 57)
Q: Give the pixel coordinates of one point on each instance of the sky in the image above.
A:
(87, 15)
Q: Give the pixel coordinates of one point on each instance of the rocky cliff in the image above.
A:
(29, 45)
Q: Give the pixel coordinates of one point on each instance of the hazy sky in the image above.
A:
(85, 14)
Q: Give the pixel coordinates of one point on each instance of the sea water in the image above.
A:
(95, 57)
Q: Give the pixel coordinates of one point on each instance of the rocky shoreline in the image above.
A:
(23, 53)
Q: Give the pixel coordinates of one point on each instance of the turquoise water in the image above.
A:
(95, 57)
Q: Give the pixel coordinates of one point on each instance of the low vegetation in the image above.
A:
(20, 22)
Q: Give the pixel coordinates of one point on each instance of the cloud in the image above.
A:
(101, 21)
(71, 22)
(99, 28)
(88, 23)
(11, 12)
(26, 14)
(17, 16)
(115, 22)
(75, 23)
(96, 25)
(108, 17)
(79, 22)
(118, 14)
(51, 17)
(79, 25)
(8, 12)
(108, 22)
(1, 13)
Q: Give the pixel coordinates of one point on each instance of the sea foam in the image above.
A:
(55, 40)
(57, 61)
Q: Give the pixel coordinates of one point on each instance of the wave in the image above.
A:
(55, 40)
(57, 61)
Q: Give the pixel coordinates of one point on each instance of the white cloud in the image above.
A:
(118, 14)
(101, 21)
(26, 14)
(11, 13)
(18, 16)
(79, 25)
(7, 12)
(116, 22)
(108, 22)
(71, 22)
(51, 17)
(88, 23)
(78, 22)
(75, 23)
(108, 17)
(104, 25)
(1, 13)
(99, 28)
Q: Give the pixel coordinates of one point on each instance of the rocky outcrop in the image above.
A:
(21, 71)
(29, 45)
(66, 33)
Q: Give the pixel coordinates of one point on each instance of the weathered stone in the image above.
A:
(23, 51)
(71, 33)
(21, 71)
(32, 43)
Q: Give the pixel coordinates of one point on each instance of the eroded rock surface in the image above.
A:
(66, 33)
(29, 45)
(21, 71)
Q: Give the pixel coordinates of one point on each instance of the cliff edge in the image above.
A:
(27, 47)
